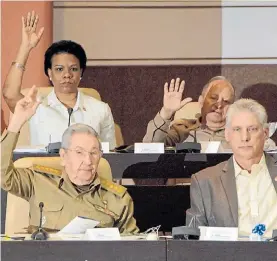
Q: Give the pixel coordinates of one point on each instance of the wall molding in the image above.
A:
(151, 62)
(181, 61)
(137, 4)
(165, 4)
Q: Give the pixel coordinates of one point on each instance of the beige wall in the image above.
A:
(171, 32)
(133, 33)
(11, 12)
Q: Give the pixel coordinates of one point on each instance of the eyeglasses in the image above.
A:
(83, 153)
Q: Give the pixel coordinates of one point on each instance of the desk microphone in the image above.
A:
(189, 147)
(187, 232)
(40, 233)
(195, 138)
(69, 110)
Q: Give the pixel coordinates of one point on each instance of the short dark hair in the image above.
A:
(65, 46)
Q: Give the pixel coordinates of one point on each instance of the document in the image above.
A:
(79, 225)
(31, 149)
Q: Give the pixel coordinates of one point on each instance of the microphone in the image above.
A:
(195, 138)
(189, 147)
(69, 110)
(187, 232)
(54, 147)
(40, 233)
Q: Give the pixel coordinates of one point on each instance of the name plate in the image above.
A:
(102, 234)
(219, 233)
(105, 147)
(149, 148)
(212, 147)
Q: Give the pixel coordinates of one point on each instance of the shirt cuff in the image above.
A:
(160, 122)
(9, 137)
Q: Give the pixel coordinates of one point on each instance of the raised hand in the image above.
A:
(172, 101)
(26, 107)
(30, 37)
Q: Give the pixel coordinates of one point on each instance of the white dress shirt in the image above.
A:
(51, 119)
(257, 198)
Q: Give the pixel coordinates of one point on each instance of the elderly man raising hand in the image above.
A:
(216, 97)
(78, 192)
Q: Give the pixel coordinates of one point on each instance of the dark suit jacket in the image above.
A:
(213, 195)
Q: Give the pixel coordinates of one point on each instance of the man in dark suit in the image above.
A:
(241, 192)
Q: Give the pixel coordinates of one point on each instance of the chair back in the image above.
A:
(189, 111)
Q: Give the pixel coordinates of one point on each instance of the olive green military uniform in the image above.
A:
(102, 200)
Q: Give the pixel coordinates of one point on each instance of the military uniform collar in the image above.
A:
(66, 184)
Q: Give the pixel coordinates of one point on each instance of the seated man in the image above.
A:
(215, 99)
(78, 192)
(242, 191)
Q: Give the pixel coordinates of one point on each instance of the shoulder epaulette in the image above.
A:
(113, 187)
(47, 170)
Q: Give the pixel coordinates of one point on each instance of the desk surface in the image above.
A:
(171, 250)
(83, 250)
(221, 251)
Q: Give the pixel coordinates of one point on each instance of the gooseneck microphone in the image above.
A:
(187, 232)
(69, 110)
(189, 147)
(40, 233)
(195, 138)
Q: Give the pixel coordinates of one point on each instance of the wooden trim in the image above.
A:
(165, 4)
(167, 62)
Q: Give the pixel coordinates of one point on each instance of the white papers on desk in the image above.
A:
(31, 149)
(78, 225)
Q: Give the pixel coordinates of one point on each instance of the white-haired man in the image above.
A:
(78, 191)
(242, 191)
(217, 95)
